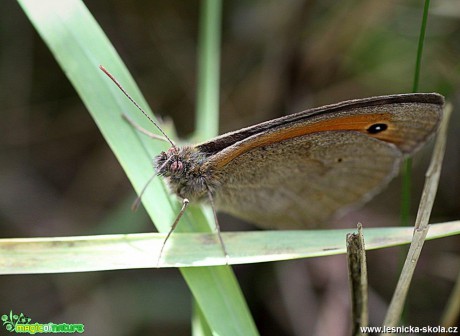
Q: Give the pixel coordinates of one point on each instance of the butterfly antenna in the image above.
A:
(143, 130)
(136, 104)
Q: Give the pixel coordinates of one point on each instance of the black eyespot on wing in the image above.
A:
(377, 128)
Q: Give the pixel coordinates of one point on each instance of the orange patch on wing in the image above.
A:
(358, 123)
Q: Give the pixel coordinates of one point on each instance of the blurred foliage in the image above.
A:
(58, 177)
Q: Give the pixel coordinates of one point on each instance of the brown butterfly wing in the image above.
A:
(301, 182)
(297, 175)
(411, 103)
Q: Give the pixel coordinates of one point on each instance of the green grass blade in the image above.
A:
(207, 109)
(79, 45)
(407, 165)
(421, 40)
(207, 123)
(111, 252)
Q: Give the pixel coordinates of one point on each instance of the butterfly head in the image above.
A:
(185, 171)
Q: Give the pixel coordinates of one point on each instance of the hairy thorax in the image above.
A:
(187, 173)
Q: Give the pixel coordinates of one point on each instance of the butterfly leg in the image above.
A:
(211, 199)
(143, 130)
(185, 203)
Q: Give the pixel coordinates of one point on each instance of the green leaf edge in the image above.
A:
(110, 252)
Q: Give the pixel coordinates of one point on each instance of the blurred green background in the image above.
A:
(59, 178)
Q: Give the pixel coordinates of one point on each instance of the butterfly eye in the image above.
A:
(177, 166)
(377, 128)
